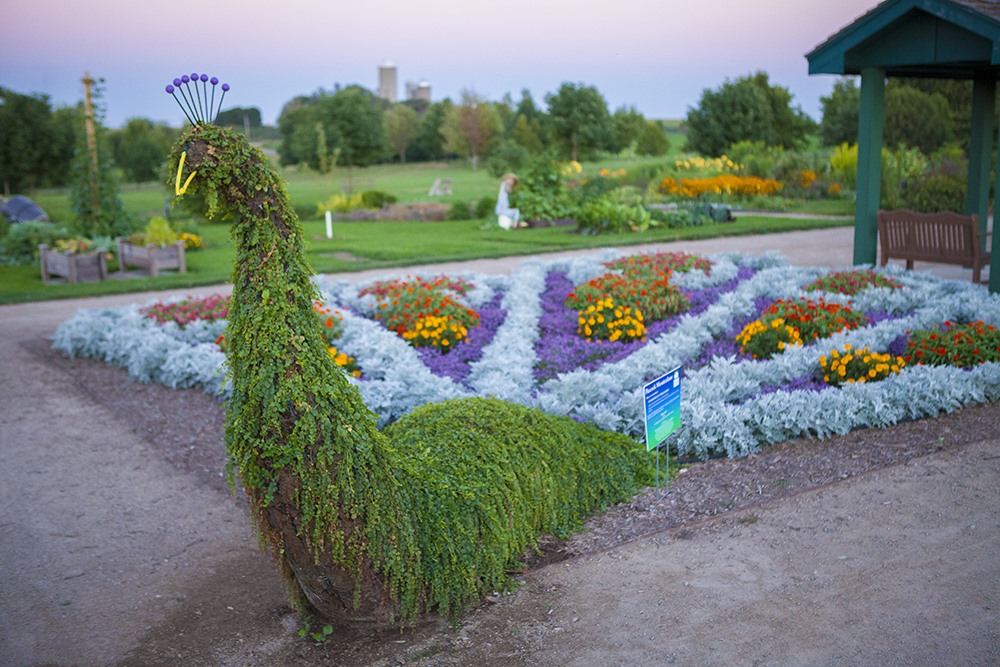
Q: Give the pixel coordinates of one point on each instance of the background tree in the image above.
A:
(652, 140)
(401, 124)
(239, 117)
(748, 109)
(916, 119)
(344, 127)
(62, 144)
(527, 134)
(297, 125)
(26, 154)
(536, 120)
(141, 148)
(580, 122)
(839, 123)
(470, 128)
(352, 119)
(429, 144)
(626, 124)
(918, 113)
(959, 97)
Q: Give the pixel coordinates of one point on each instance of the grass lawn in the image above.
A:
(359, 246)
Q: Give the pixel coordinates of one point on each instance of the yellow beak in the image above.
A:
(178, 188)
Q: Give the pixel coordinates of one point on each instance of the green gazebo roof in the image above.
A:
(949, 39)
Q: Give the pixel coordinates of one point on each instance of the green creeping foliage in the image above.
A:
(291, 409)
(436, 510)
(487, 478)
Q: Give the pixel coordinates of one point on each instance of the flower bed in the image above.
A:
(527, 349)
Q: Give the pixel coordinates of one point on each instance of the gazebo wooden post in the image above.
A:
(994, 284)
(977, 197)
(869, 179)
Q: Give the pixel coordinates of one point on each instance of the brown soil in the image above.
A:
(234, 613)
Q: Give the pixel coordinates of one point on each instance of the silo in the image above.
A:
(387, 81)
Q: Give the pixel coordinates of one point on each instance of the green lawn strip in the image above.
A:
(361, 246)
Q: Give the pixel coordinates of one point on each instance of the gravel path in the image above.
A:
(121, 545)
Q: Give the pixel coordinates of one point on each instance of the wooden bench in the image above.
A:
(944, 238)
(441, 186)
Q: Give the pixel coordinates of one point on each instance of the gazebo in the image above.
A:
(942, 39)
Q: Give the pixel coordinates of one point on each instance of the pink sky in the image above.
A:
(656, 55)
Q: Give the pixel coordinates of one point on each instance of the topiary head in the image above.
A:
(220, 169)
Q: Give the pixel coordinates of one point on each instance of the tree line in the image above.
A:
(351, 127)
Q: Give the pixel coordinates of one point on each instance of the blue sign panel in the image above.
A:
(662, 402)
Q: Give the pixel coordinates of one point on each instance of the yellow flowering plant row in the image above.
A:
(762, 339)
(795, 322)
(615, 306)
(723, 184)
(850, 366)
(424, 312)
(699, 163)
(603, 320)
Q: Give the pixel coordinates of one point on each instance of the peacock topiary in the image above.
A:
(364, 525)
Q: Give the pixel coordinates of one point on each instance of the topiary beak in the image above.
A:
(178, 188)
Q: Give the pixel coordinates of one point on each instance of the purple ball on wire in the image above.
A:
(215, 80)
(204, 78)
(177, 82)
(170, 89)
(194, 76)
(225, 87)
(185, 79)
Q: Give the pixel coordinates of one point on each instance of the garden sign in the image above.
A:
(662, 408)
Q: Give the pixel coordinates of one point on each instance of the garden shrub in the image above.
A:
(460, 210)
(485, 207)
(20, 245)
(795, 322)
(940, 188)
(424, 312)
(643, 284)
(612, 213)
(851, 282)
(158, 232)
(648, 266)
(681, 216)
(755, 158)
(184, 312)
(541, 195)
(509, 156)
(898, 167)
(951, 344)
(340, 203)
(488, 477)
(375, 199)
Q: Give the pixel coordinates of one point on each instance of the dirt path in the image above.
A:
(110, 555)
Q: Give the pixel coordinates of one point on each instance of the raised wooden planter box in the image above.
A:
(91, 266)
(151, 257)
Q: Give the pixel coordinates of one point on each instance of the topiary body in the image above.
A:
(366, 526)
